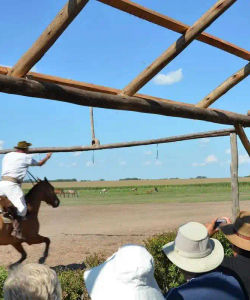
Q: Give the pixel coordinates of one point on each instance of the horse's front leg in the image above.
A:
(19, 248)
(38, 239)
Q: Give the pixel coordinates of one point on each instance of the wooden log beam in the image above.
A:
(234, 176)
(224, 87)
(172, 24)
(31, 88)
(176, 48)
(243, 137)
(48, 37)
(84, 85)
(209, 134)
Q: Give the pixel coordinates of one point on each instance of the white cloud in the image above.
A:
(158, 162)
(169, 78)
(211, 159)
(123, 163)
(208, 160)
(77, 153)
(89, 164)
(148, 152)
(228, 151)
(147, 163)
(34, 69)
(74, 164)
(1, 144)
(244, 159)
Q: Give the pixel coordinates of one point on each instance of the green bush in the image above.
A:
(3, 276)
(167, 275)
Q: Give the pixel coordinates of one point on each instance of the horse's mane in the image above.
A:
(28, 195)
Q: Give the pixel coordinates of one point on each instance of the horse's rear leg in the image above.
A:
(38, 240)
(20, 249)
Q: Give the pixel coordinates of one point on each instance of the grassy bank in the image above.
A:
(146, 194)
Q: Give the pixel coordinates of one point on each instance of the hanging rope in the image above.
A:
(157, 153)
(93, 157)
(94, 140)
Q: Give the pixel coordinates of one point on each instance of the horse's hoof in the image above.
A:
(13, 266)
(41, 260)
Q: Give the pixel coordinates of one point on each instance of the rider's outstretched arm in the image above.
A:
(43, 161)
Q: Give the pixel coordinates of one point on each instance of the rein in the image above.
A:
(32, 177)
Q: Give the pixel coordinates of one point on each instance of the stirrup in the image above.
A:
(7, 218)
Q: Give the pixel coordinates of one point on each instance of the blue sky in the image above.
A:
(108, 47)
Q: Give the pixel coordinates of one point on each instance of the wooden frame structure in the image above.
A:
(19, 80)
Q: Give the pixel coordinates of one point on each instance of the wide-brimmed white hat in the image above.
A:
(193, 250)
(127, 275)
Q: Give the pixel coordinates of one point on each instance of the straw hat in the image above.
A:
(127, 275)
(239, 232)
(193, 250)
(23, 145)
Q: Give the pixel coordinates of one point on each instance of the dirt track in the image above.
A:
(78, 231)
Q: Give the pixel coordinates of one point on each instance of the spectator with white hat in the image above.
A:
(127, 275)
(198, 256)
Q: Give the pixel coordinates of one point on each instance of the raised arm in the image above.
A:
(43, 161)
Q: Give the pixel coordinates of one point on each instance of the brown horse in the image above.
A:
(42, 191)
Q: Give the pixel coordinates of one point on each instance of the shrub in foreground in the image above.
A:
(167, 275)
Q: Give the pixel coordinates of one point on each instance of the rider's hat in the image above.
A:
(23, 145)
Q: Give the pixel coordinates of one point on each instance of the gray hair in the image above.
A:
(32, 282)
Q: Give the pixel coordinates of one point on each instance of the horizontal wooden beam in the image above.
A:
(31, 88)
(172, 24)
(176, 48)
(224, 87)
(48, 37)
(209, 134)
(243, 137)
(84, 85)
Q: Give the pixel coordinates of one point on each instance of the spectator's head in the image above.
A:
(239, 233)
(32, 282)
(127, 274)
(193, 251)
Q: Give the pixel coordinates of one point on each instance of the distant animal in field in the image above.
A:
(60, 192)
(134, 189)
(155, 189)
(103, 191)
(70, 193)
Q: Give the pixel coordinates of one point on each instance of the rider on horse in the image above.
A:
(14, 168)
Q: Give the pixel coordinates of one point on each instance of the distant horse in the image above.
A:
(70, 193)
(42, 191)
(60, 192)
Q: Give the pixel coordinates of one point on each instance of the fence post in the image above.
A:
(234, 176)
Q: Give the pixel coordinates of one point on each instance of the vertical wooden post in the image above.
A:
(234, 176)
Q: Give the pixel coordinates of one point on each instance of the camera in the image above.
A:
(219, 222)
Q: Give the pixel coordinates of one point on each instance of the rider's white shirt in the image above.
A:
(15, 164)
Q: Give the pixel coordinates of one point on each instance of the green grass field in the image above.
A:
(166, 193)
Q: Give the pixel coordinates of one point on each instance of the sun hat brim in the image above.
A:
(27, 145)
(196, 265)
(101, 284)
(233, 238)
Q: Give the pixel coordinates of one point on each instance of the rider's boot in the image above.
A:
(17, 232)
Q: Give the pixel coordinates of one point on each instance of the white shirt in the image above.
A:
(15, 164)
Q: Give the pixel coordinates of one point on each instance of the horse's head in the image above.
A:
(50, 196)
